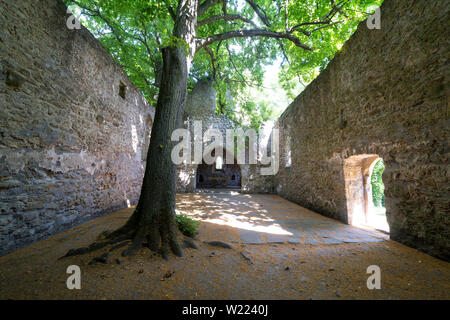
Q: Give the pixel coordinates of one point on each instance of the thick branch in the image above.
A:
(248, 34)
(203, 7)
(224, 7)
(234, 66)
(213, 60)
(259, 12)
(227, 17)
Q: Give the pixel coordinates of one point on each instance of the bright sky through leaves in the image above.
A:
(134, 31)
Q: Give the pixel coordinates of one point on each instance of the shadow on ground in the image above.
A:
(280, 251)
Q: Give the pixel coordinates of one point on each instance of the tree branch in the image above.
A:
(213, 61)
(203, 7)
(232, 63)
(115, 31)
(248, 84)
(225, 17)
(248, 34)
(259, 12)
(224, 7)
(326, 20)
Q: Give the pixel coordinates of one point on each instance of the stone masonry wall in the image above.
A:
(386, 93)
(201, 106)
(70, 145)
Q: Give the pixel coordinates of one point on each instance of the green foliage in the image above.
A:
(186, 225)
(307, 65)
(134, 31)
(377, 183)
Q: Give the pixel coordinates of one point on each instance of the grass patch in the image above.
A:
(186, 225)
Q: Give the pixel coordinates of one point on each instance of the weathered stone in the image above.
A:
(4, 220)
(272, 238)
(201, 105)
(71, 146)
(294, 240)
(384, 94)
(9, 183)
(28, 216)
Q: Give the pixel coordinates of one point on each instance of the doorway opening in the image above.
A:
(364, 190)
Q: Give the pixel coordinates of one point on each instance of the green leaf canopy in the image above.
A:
(135, 31)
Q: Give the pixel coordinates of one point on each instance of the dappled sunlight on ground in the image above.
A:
(319, 259)
(268, 218)
(242, 214)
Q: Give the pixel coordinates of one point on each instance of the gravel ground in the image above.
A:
(271, 270)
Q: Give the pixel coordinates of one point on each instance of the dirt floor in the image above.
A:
(280, 251)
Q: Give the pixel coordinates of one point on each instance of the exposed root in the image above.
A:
(95, 246)
(120, 245)
(189, 243)
(102, 259)
(159, 236)
(136, 244)
(220, 244)
(176, 248)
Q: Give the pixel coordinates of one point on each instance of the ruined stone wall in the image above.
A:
(201, 106)
(70, 145)
(187, 173)
(385, 93)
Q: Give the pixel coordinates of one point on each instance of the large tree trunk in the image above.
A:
(153, 221)
(154, 218)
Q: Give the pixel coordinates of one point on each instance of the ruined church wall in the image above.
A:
(201, 107)
(386, 93)
(70, 145)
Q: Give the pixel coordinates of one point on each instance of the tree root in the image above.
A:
(95, 246)
(120, 245)
(189, 243)
(157, 241)
(102, 259)
(220, 244)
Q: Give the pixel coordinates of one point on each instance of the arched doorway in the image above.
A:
(219, 174)
(365, 191)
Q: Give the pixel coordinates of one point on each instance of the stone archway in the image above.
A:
(358, 190)
(219, 174)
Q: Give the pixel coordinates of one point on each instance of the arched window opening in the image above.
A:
(219, 163)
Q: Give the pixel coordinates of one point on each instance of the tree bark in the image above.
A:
(153, 221)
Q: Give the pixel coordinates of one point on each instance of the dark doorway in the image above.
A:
(218, 175)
